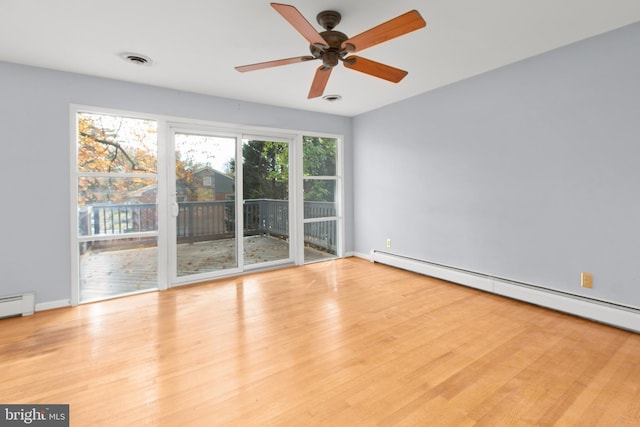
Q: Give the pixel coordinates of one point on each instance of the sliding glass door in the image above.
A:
(203, 206)
(210, 237)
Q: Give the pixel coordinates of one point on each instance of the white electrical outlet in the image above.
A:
(388, 243)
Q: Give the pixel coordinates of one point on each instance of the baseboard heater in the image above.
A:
(17, 305)
(604, 312)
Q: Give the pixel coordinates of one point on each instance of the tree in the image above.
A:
(114, 144)
(185, 178)
(319, 158)
(109, 144)
(265, 170)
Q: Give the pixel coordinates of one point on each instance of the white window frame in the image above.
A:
(74, 110)
(339, 217)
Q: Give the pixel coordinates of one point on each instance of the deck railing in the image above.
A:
(200, 221)
(95, 220)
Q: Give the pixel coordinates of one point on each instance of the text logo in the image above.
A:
(34, 415)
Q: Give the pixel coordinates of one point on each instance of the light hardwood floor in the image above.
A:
(338, 343)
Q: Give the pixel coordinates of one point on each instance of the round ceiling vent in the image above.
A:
(136, 58)
(332, 98)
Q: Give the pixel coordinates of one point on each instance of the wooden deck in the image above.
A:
(106, 274)
(338, 343)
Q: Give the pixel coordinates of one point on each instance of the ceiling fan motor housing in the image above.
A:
(330, 55)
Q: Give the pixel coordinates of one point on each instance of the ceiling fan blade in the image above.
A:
(375, 69)
(277, 63)
(391, 29)
(295, 18)
(319, 81)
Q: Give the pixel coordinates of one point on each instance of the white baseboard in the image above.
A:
(50, 305)
(604, 312)
(361, 255)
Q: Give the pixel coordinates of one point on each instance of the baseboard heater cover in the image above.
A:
(17, 305)
(604, 312)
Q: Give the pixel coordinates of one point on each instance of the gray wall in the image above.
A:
(530, 172)
(35, 170)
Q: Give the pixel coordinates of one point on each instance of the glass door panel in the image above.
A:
(204, 208)
(116, 197)
(320, 240)
(319, 198)
(266, 201)
(320, 234)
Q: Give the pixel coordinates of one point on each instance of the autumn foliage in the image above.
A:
(116, 156)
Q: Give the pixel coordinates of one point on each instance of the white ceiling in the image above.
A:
(195, 44)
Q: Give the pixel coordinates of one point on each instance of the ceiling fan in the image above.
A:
(333, 46)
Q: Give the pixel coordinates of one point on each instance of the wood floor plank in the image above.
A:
(343, 342)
